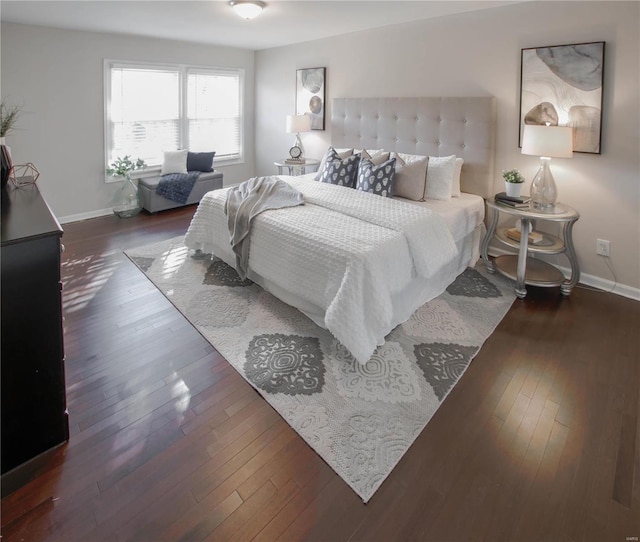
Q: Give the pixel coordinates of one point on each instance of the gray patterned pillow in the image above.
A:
(341, 172)
(377, 179)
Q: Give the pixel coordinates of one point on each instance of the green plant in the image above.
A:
(8, 117)
(513, 176)
(122, 167)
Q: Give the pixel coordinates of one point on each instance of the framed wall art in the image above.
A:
(310, 95)
(562, 85)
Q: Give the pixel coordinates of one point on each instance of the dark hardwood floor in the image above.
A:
(538, 441)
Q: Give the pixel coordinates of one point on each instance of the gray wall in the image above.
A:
(479, 54)
(57, 76)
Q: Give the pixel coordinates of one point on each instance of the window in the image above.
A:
(151, 109)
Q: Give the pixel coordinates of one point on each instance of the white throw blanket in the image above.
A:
(345, 253)
(245, 202)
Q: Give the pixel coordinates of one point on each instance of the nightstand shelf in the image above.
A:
(550, 244)
(522, 268)
(537, 272)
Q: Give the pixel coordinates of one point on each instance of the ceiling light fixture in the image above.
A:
(247, 9)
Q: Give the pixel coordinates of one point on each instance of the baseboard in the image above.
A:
(588, 280)
(605, 284)
(84, 216)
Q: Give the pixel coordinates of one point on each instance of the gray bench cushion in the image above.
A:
(153, 203)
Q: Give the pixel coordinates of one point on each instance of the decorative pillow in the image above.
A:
(440, 177)
(341, 153)
(377, 179)
(455, 186)
(376, 156)
(341, 172)
(174, 162)
(411, 175)
(200, 161)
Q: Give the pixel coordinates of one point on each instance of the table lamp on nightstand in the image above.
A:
(546, 142)
(297, 124)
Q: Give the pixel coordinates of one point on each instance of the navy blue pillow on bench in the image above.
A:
(200, 161)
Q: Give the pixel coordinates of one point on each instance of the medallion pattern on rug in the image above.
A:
(472, 284)
(360, 419)
(285, 364)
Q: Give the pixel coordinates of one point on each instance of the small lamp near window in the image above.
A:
(297, 124)
(247, 9)
(546, 142)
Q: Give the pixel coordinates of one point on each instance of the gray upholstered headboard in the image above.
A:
(426, 126)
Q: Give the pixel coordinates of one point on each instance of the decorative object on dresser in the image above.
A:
(513, 182)
(546, 142)
(310, 95)
(34, 416)
(359, 419)
(562, 85)
(125, 202)
(24, 174)
(6, 165)
(295, 125)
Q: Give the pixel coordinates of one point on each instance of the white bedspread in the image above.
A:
(344, 251)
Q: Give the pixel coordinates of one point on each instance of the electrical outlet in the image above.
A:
(603, 247)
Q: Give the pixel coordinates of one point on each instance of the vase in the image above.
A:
(6, 165)
(513, 189)
(125, 202)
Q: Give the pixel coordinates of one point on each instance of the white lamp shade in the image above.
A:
(298, 123)
(247, 9)
(551, 141)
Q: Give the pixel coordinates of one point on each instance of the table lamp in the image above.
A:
(546, 142)
(297, 124)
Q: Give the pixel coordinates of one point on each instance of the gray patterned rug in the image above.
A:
(359, 419)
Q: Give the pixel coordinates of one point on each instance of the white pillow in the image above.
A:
(440, 177)
(174, 162)
(455, 186)
(375, 156)
(411, 176)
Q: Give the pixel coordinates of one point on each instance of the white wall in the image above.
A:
(57, 76)
(478, 54)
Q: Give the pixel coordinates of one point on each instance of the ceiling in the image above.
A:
(214, 22)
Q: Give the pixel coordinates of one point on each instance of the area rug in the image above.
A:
(359, 419)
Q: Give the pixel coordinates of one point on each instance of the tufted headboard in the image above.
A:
(426, 126)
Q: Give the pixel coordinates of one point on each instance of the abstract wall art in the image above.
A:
(310, 95)
(562, 85)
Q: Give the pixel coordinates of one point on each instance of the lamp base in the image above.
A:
(298, 143)
(543, 188)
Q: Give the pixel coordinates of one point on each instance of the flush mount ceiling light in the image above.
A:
(247, 9)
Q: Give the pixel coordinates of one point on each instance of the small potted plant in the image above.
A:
(125, 202)
(513, 181)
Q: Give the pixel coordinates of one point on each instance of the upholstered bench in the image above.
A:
(153, 203)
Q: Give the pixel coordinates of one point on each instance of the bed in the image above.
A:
(359, 264)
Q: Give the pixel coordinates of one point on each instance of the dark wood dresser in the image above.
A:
(33, 401)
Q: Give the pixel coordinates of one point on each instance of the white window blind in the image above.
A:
(150, 110)
(213, 102)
